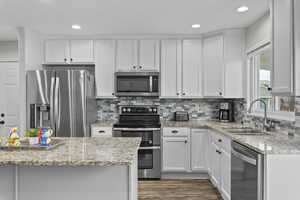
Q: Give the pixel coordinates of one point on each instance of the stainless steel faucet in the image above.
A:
(265, 124)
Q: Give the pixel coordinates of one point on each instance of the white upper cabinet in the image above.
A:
(126, 57)
(68, 51)
(283, 44)
(191, 68)
(149, 55)
(81, 51)
(105, 67)
(137, 55)
(213, 66)
(234, 63)
(170, 68)
(56, 51)
(297, 46)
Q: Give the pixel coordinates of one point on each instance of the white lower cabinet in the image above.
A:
(175, 154)
(220, 171)
(198, 151)
(199, 144)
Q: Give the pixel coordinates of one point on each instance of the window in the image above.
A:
(259, 84)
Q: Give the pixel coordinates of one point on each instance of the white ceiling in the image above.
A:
(54, 17)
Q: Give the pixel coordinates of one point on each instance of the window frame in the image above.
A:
(252, 88)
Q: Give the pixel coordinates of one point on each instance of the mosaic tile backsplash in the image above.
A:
(198, 109)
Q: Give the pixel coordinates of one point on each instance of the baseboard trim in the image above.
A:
(184, 176)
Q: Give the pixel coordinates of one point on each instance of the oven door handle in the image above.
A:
(244, 157)
(149, 148)
(136, 129)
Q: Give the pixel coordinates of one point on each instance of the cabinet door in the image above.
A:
(126, 58)
(297, 46)
(56, 51)
(282, 82)
(105, 67)
(226, 175)
(213, 64)
(215, 167)
(199, 141)
(81, 51)
(191, 68)
(149, 55)
(170, 68)
(175, 154)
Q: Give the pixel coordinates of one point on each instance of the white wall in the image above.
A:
(30, 58)
(259, 33)
(9, 51)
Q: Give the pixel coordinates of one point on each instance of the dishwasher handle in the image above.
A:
(244, 157)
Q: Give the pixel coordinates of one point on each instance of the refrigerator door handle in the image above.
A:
(52, 104)
(56, 104)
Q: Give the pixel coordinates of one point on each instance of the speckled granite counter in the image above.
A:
(273, 143)
(103, 123)
(100, 151)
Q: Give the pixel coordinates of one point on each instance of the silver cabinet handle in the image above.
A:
(52, 104)
(174, 131)
(101, 131)
(149, 148)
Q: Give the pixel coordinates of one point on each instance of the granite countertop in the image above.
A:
(103, 123)
(100, 151)
(273, 143)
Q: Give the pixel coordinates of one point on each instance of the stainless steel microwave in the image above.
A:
(137, 84)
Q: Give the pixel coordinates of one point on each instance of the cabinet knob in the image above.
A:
(220, 140)
(71, 59)
(101, 131)
(220, 93)
(113, 94)
(140, 67)
(177, 93)
(174, 131)
(2, 115)
(134, 67)
(183, 93)
(65, 60)
(185, 141)
(2, 122)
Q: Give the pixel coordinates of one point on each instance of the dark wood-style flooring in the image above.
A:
(177, 190)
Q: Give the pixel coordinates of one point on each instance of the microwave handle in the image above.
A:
(150, 83)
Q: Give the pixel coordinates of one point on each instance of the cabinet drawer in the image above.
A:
(221, 141)
(101, 131)
(176, 132)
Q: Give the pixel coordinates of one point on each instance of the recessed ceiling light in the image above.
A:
(76, 27)
(242, 9)
(196, 26)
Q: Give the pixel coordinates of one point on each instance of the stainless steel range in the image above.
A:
(144, 122)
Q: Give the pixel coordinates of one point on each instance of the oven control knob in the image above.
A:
(155, 110)
(128, 109)
(150, 109)
(124, 110)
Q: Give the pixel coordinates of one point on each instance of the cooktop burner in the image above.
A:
(138, 117)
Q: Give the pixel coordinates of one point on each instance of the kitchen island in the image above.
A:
(81, 168)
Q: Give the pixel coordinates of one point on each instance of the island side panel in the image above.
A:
(76, 183)
(133, 180)
(282, 177)
(7, 182)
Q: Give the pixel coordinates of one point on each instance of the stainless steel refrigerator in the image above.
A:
(62, 100)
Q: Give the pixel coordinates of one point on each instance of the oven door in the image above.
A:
(149, 164)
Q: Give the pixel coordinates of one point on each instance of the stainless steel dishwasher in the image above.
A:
(247, 173)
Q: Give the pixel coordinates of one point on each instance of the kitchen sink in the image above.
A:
(247, 131)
